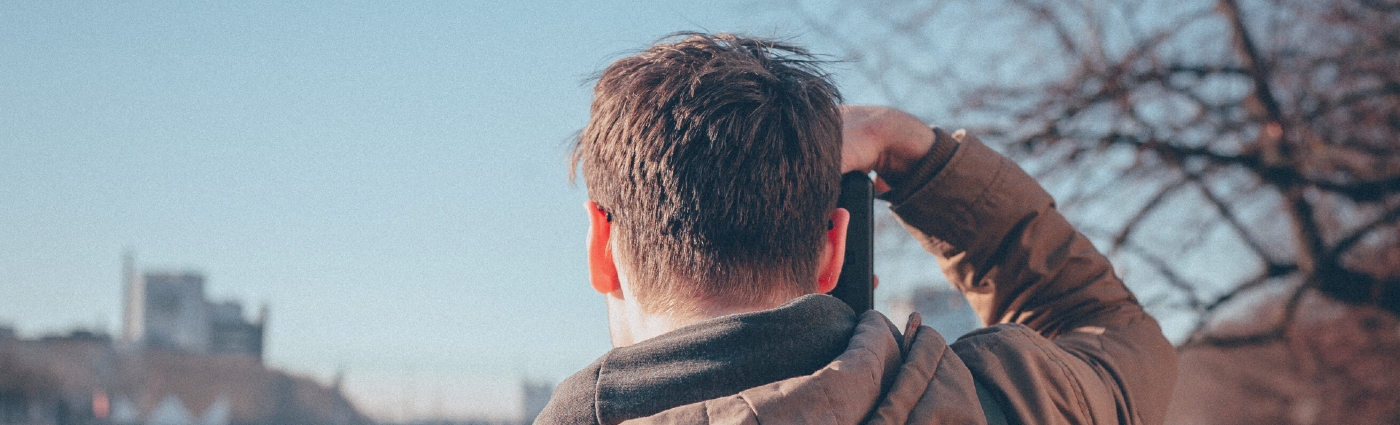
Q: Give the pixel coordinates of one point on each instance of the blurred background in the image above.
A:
(358, 212)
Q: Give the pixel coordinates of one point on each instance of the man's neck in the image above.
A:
(629, 323)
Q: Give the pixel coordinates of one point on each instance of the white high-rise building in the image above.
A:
(168, 310)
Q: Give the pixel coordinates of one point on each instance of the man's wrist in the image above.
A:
(938, 155)
(901, 160)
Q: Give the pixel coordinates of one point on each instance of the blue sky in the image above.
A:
(388, 178)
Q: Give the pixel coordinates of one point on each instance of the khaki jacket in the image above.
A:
(1069, 343)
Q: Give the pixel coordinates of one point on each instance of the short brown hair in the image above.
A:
(718, 158)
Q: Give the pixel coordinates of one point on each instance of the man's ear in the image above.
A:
(833, 251)
(602, 270)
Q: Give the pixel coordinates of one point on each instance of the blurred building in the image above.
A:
(534, 396)
(78, 378)
(180, 360)
(168, 311)
(943, 308)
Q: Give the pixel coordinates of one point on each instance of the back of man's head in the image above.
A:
(718, 158)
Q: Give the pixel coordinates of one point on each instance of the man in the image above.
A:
(712, 163)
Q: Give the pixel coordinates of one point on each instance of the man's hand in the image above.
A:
(885, 140)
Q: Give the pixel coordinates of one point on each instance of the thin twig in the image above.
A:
(1276, 332)
(1228, 213)
(1142, 214)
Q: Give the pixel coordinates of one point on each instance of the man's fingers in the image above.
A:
(861, 144)
(880, 186)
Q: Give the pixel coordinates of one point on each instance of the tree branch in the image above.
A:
(1142, 213)
(1350, 240)
(1276, 332)
(1253, 61)
(1361, 191)
(1062, 34)
(1270, 271)
(1228, 213)
(1193, 297)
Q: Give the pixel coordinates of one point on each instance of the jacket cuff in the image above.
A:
(974, 199)
(938, 156)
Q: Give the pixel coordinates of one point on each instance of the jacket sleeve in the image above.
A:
(1000, 240)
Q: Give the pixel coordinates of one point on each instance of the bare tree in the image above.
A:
(1176, 133)
(1224, 152)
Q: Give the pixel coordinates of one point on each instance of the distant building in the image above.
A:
(943, 308)
(77, 380)
(162, 372)
(79, 335)
(534, 396)
(168, 310)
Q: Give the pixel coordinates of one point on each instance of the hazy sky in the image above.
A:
(389, 179)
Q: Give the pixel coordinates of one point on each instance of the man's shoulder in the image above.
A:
(574, 400)
(1023, 368)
